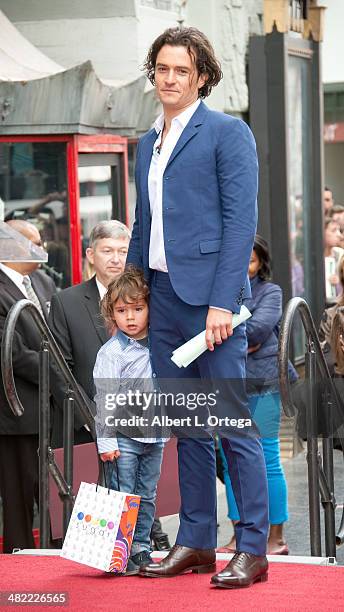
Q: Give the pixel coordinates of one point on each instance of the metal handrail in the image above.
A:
(320, 468)
(7, 362)
(46, 455)
(294, 306)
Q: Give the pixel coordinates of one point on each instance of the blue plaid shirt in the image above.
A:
(120, 358)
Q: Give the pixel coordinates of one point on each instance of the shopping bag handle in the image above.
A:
(114, 465)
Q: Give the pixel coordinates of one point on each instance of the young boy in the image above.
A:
(126, 356)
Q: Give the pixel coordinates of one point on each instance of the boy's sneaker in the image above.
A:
(141, 559)
(132, 568)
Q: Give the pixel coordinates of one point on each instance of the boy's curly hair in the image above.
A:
(130, 286)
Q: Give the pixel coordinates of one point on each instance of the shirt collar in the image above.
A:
(101, 288)
(183, 118)
(13, 275)
(124, 340)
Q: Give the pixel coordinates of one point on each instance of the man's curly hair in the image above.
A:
(199, 49)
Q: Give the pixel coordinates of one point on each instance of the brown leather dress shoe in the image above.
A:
(243, 570)
(180, 560)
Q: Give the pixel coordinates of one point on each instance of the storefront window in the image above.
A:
(33, 186)
(299, 127)
(100, 196)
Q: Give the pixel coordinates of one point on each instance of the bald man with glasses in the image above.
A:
(19, 435)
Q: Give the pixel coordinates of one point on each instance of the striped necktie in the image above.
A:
(31, 294)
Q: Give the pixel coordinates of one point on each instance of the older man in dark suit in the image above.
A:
(19, 435)
(75, 317)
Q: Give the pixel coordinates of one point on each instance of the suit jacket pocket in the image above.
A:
(210, 246)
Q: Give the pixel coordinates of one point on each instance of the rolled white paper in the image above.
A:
(191, 350)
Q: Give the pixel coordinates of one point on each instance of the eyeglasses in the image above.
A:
(39, 243)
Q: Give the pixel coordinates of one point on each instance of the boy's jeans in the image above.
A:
(139, 470)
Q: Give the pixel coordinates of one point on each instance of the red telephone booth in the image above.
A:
(65, 185)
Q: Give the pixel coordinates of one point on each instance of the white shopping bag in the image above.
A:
(101, 528)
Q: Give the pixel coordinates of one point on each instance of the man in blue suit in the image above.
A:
(196, 179)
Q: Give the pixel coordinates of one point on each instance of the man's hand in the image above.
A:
(110, 456)
(218, 327)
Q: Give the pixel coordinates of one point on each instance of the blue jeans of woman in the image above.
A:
(139, 468)
(265, 409)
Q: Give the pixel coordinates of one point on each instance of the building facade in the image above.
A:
(116, 34)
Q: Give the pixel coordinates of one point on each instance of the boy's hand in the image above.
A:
(110, 456)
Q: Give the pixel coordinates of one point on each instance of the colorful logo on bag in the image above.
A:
(95, 522)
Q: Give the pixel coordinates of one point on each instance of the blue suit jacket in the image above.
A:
(209, 209)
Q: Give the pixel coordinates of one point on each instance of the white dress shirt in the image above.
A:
(157, 256)
(15, 277)
(160, 157)
(101, 288)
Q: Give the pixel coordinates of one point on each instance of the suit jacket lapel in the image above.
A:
(146, 156)
(147, 149)
(92, 304)
(17, 295)
(189, 131)
(11, 287)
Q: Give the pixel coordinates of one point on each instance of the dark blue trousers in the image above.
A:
(173, 322)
